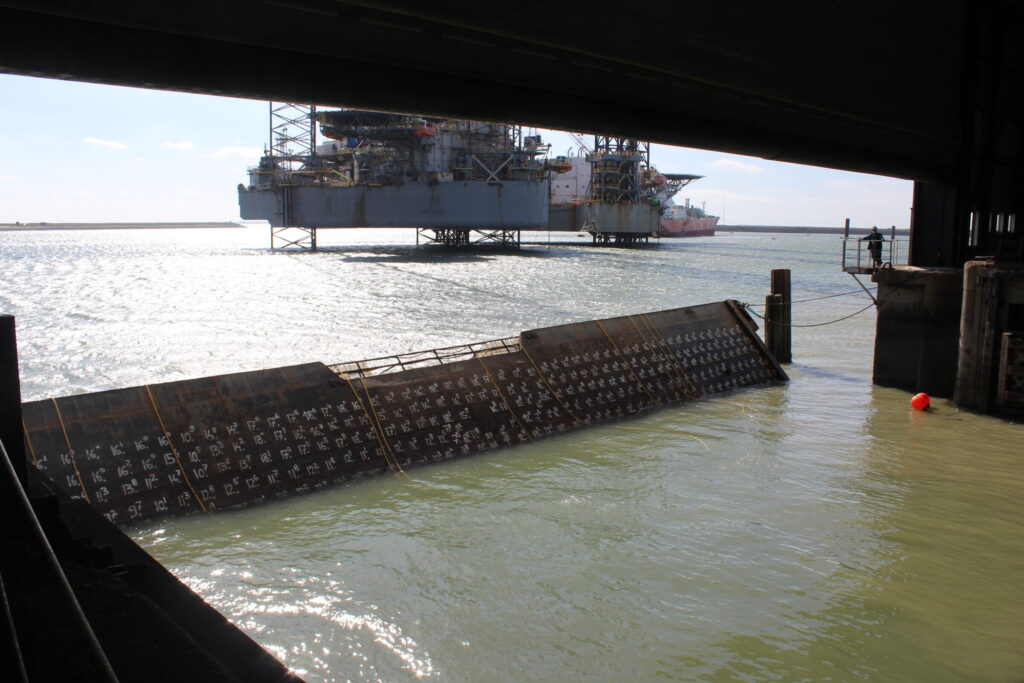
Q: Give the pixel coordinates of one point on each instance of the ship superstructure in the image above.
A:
(686, 219)
(610, 192)
(455, 181)
(615, 194)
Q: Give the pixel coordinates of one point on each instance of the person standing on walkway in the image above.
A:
(874, 240)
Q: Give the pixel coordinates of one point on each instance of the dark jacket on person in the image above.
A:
(875, 239)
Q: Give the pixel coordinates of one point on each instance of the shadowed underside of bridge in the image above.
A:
(928, 90)
(921, 90)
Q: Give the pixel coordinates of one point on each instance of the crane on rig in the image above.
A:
(579, 141)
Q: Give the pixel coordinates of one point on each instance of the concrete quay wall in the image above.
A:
(918, 330)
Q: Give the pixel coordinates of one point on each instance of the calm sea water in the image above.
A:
(814, 531)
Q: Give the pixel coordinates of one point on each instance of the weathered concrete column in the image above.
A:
(918, 331)
(993, 303)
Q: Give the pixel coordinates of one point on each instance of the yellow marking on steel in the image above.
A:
(502, 396)
(71, 451)
(174, 450)
(622, 358)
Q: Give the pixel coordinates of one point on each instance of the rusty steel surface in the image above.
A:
(218, 442)
(202, 444)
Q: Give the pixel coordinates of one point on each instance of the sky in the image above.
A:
(81, 152)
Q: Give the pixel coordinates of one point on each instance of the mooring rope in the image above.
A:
(827, 296)
(829, 322)
(71, 451)
(174, 450)
(750, 307)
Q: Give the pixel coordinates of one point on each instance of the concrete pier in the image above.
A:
(918, 333)
(954, 333)
(989, 376)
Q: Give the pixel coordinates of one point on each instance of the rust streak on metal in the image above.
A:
(625, 362)
(71, 451)
(174, 451)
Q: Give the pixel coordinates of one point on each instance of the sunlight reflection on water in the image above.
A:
(818, 529)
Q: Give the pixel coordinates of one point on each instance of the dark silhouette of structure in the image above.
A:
(925, 90)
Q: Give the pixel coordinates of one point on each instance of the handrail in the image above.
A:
(856, 259)
(14, 662)
(103, 668)
(429, 357)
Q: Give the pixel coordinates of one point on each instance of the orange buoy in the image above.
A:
(920, 402)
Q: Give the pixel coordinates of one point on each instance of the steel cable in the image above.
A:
(828, 296)
(845, 317)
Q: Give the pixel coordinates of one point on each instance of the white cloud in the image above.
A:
(183, 144)
(113, 144)
(842, 184)
(233, 151)
(733, 165)
(9, 176)
(882, 182)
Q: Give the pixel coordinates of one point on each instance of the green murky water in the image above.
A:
(814, 531)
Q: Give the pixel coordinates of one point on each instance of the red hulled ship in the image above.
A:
(687, 221)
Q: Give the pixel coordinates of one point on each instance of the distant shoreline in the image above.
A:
(807, 230)
(791, 229)
(28, 227)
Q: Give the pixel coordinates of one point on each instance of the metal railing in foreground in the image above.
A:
(431, 357)
(856, 257)
(20, 506)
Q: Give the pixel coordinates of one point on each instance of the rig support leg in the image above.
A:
(290, 237)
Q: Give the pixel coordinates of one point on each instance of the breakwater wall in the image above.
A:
(220, 442)
(808, 230)
(14, 227)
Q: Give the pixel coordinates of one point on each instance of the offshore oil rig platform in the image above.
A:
(612, 191)
(456, 182)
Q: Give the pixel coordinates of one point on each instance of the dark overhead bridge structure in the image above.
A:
(926, 90)
(929, 90)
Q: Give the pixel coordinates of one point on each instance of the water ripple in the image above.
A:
(818, 530)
